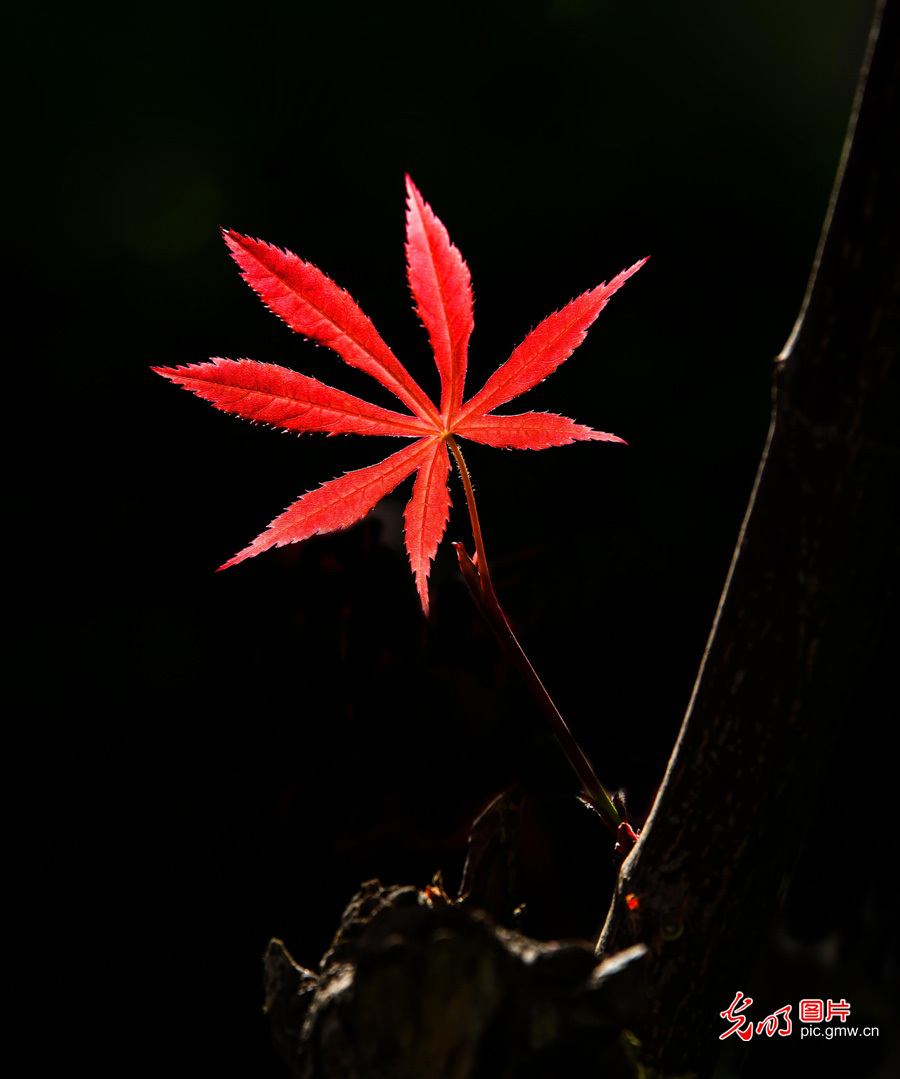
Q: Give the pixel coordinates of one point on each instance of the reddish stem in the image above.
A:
(477, 577)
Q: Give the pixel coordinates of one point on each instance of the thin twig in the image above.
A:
(477, 577)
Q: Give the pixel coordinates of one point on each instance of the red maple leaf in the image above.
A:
(313, 305)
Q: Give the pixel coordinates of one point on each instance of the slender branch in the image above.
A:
(478, 579)
(484, 575)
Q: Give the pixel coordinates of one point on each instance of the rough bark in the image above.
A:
(811, 581)
(415, 986)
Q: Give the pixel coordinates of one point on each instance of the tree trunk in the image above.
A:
(809, 587)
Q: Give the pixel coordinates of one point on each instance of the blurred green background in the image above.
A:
(214, 759)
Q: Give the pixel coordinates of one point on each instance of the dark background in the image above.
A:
(200, 761)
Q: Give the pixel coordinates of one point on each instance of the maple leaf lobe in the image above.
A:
(313, 305)
(281, 397)
(441, 285)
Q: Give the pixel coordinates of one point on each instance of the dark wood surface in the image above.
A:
(810, 588)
